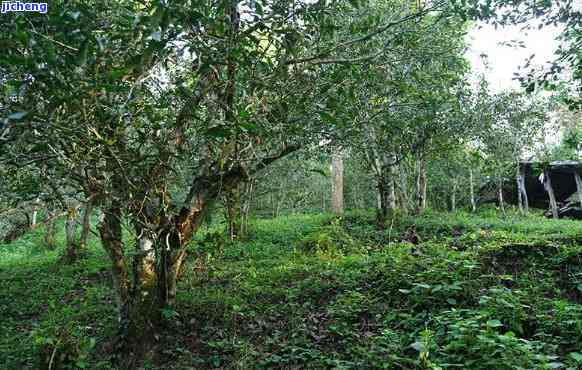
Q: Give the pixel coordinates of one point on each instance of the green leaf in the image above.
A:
(494, 323)
(556, 365)
(576, 356)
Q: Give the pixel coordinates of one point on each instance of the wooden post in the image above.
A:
(550, 190)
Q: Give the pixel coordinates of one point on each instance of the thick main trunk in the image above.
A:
(337, 188)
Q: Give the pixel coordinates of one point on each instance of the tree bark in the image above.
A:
(337, 189)
(72, 245)
(522, 198)
(248, 194)
(402, 190)
(33, 221)
(454, 196)
(550, 190)
(86, 224)
(421, 184)
(111, 240)
(386, 197)
(233, 213)
(49, 239)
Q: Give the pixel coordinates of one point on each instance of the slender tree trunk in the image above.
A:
(550, 190)
(421, 184)
(472, 191)
(454, 197)
(86, 224)
(522, 199)
(278, 200)
(50, 231)
(72, 244)
(386, 197)
(34, 219)
(337, 189)
(402, 190)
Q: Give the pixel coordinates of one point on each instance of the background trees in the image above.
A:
(152, 113)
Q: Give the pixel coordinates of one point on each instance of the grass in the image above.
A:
(478, 292)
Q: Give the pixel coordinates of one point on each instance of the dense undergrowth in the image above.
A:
(476, 292)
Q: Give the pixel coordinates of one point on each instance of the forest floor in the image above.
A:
(313, 291)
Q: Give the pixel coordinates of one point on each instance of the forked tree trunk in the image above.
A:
(157, 263)
(337, 188)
